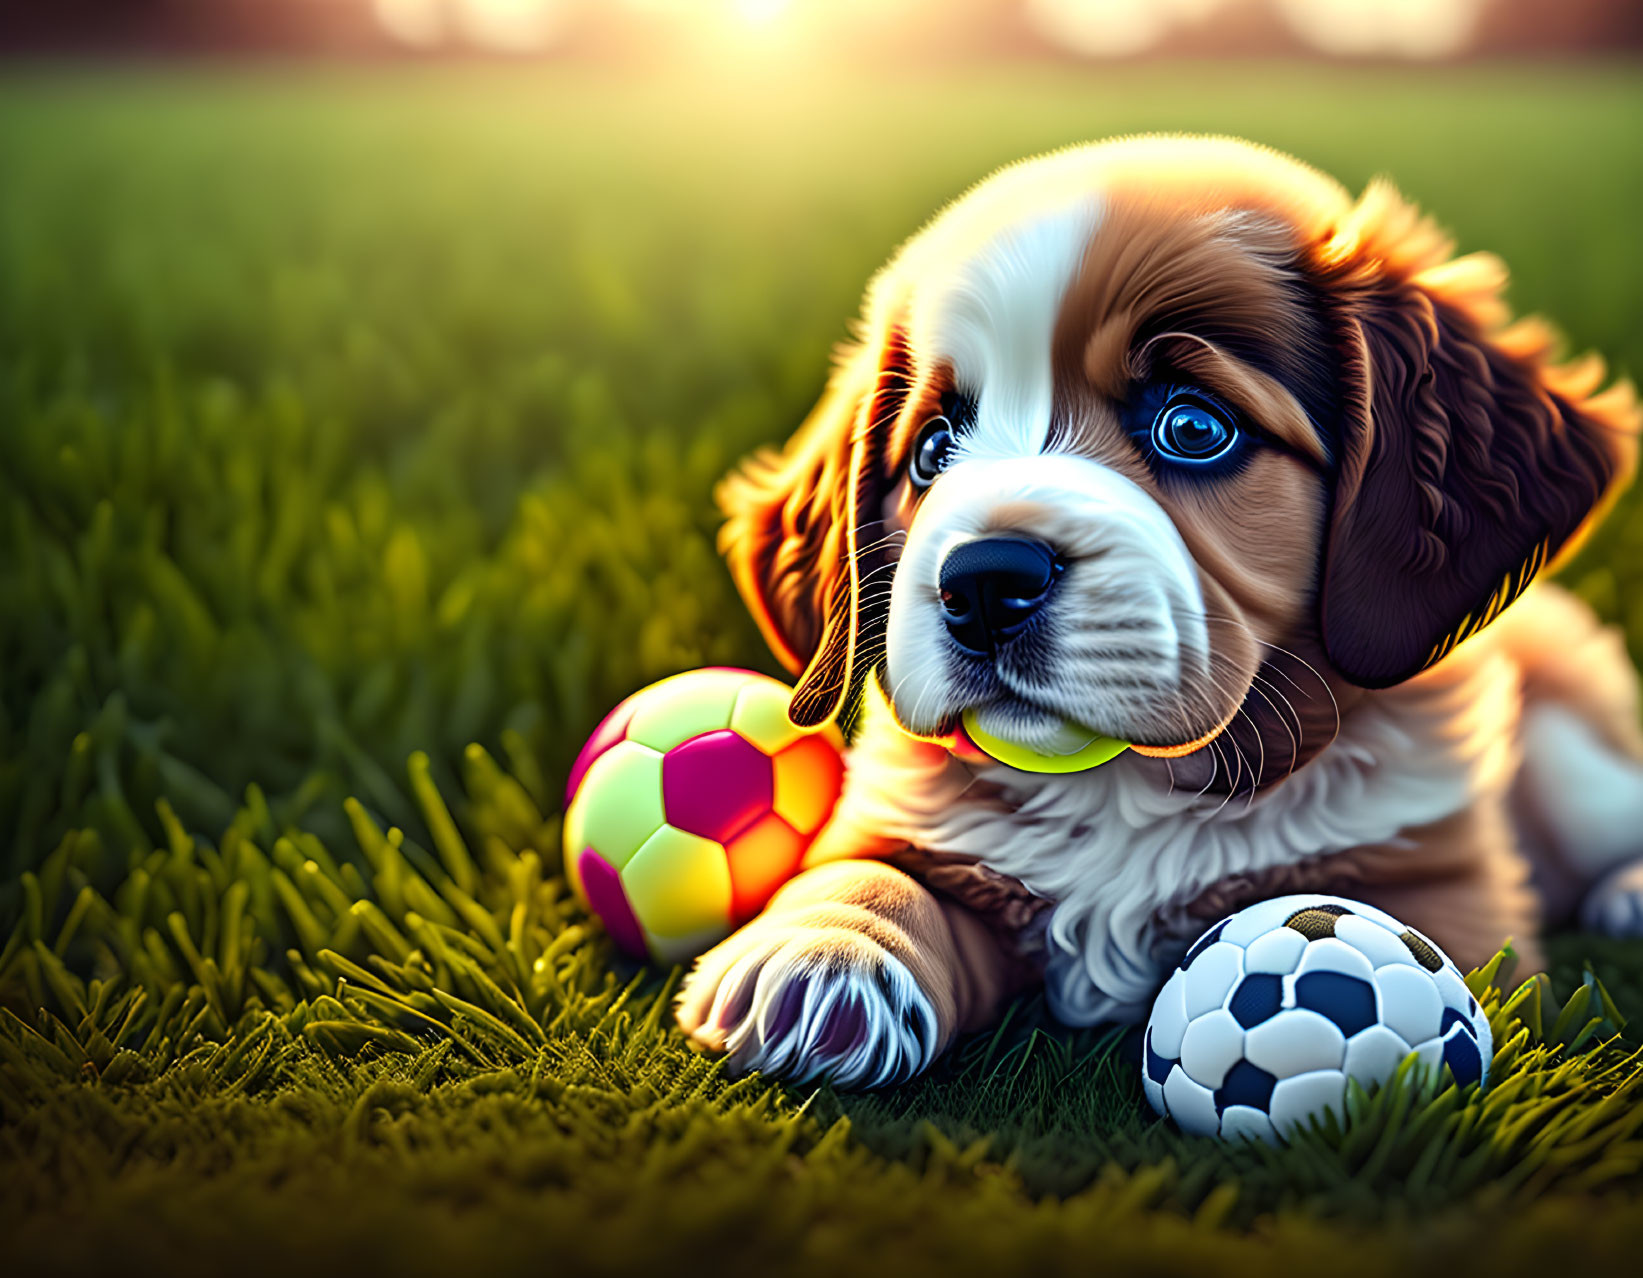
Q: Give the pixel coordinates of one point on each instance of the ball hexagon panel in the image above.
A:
(715, 785)
(808, 775)
(685, 706)
(761, 858)
(1452, 990)
(1426, 954)
(679, 884)
(1169, 1016)
(1302, 1098)
(1246, 1084)
(1261, 918)
(760, 715)
(1461, 1055)
(1373, 1055)
(1258, 998)
(573, 870)
(1211, 977)
(1334, 955)
(1156, 1067)
(1348, 1001)
(1410, 1002)
(1277, 952)
(1244, 1122)
(1451, 1017)
(1155, 1094)
(1191, 1105)
(612, 728)
(1430, 1054)
(1294, 1042)
(1316, 922)
(619, 804)
(1380, 945)
(1211, 1046)
(600, 885)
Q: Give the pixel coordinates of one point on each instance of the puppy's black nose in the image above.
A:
(991, 588)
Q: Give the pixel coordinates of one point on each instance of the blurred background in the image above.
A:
(874, 30)
(366, 370)
(366, 366)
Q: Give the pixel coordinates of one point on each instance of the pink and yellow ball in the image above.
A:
(691, 803)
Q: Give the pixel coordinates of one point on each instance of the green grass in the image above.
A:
(349, 419)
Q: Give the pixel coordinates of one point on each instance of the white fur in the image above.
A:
(1122, 855)
(1129, 566)
(992, 319)
(1590, 795)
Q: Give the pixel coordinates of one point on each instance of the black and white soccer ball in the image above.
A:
(1275, 1008)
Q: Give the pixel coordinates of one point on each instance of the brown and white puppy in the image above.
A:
(1169, 439)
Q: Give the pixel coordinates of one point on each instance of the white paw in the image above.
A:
(808, 1004)
(1614, 904)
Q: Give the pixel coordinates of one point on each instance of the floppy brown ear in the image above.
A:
(1468, 461)
(801, 532)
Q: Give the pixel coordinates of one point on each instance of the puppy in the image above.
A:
(1169, 439)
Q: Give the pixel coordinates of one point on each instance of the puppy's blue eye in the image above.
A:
(930, 452)
(1191, 432)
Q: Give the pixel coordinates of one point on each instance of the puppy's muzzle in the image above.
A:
(991, 589)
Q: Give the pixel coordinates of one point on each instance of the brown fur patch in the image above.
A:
(803, 533)
(1220, 280)
(1470, 461)
(1186, 290)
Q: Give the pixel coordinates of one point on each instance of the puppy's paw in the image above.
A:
(1614, 904)
(810, 1003)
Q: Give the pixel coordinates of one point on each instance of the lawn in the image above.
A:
(357, 431)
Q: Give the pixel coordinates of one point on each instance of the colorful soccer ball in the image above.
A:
(1275, 1008)
(691, 803)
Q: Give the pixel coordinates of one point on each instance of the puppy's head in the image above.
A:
(1133, 425)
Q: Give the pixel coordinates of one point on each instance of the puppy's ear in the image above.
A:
(802, 531)
(1468, 461)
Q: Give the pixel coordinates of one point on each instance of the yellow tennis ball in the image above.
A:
(1087, 750)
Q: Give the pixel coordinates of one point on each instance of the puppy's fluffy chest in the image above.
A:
(1122, 854)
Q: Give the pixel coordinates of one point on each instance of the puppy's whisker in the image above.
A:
(879, 544)
(1223, 737)
(1263, 687)
(1293, 656)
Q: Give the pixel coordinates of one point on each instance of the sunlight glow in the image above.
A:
(764, 35)
(1401, 28)
(500, 26)
(762, 12)
(757, 31)
(1113, 28)
(511, 26)
(420, 23)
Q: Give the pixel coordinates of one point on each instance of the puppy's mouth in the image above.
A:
(1031, 726)
(1012, 696)
(1066, 748)
(1016, 729)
